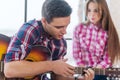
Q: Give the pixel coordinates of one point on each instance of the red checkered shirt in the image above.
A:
(90, 46)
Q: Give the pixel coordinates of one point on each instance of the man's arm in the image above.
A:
(25, 68)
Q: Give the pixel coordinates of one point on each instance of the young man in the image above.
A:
(47, 32)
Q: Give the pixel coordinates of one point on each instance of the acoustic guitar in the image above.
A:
(38, 53)
(41, 53)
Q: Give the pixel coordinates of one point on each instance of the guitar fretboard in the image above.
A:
(111, 72)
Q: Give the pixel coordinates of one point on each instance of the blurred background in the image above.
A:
(13, 13)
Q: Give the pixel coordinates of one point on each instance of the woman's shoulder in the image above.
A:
(81, 26)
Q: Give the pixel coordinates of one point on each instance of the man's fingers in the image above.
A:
(65, 59)
(89, 74)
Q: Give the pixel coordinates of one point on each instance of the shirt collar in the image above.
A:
(96, 26)
(43, 32)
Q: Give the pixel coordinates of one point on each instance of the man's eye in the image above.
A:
(58, 27)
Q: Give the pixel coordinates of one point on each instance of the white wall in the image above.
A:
(12, 17)
(12, 14)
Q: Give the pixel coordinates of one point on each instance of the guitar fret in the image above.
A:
(104, 72)
(97, 71)
(81, 70)
(78, 70)
(101, 71)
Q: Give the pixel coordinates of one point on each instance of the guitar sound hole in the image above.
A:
(29, 60)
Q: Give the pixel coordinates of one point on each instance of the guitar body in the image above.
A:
(59, 77)
(4, 42)
(38, 53)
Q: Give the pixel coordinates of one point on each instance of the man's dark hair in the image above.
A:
(54, 9)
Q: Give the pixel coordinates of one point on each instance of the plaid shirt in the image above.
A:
(90, 46)
(30, 34)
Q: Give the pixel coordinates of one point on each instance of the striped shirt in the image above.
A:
(90, 46)
(30, 34)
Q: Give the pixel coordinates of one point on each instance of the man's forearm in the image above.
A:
(25, 68)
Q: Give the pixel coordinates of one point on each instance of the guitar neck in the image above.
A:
(114, 72)
(80, 70)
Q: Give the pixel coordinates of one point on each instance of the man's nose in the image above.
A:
(64, 30)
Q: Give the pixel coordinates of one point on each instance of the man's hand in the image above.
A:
(89, 75)
(60, 67)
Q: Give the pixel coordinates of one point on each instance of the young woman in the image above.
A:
(96, 42)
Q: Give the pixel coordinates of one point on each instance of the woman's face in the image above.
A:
(93, 13)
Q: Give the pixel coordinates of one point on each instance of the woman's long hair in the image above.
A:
(107, 24)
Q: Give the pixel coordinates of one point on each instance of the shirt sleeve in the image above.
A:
(76, 47)
(105, 61)
(21, 43)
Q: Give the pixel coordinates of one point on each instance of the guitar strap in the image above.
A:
(1, 66)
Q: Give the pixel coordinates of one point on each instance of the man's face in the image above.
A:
(57, 28)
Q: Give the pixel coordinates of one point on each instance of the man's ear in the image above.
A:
(43, 20)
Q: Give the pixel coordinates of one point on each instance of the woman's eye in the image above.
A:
(96, 10)
(89, 10)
